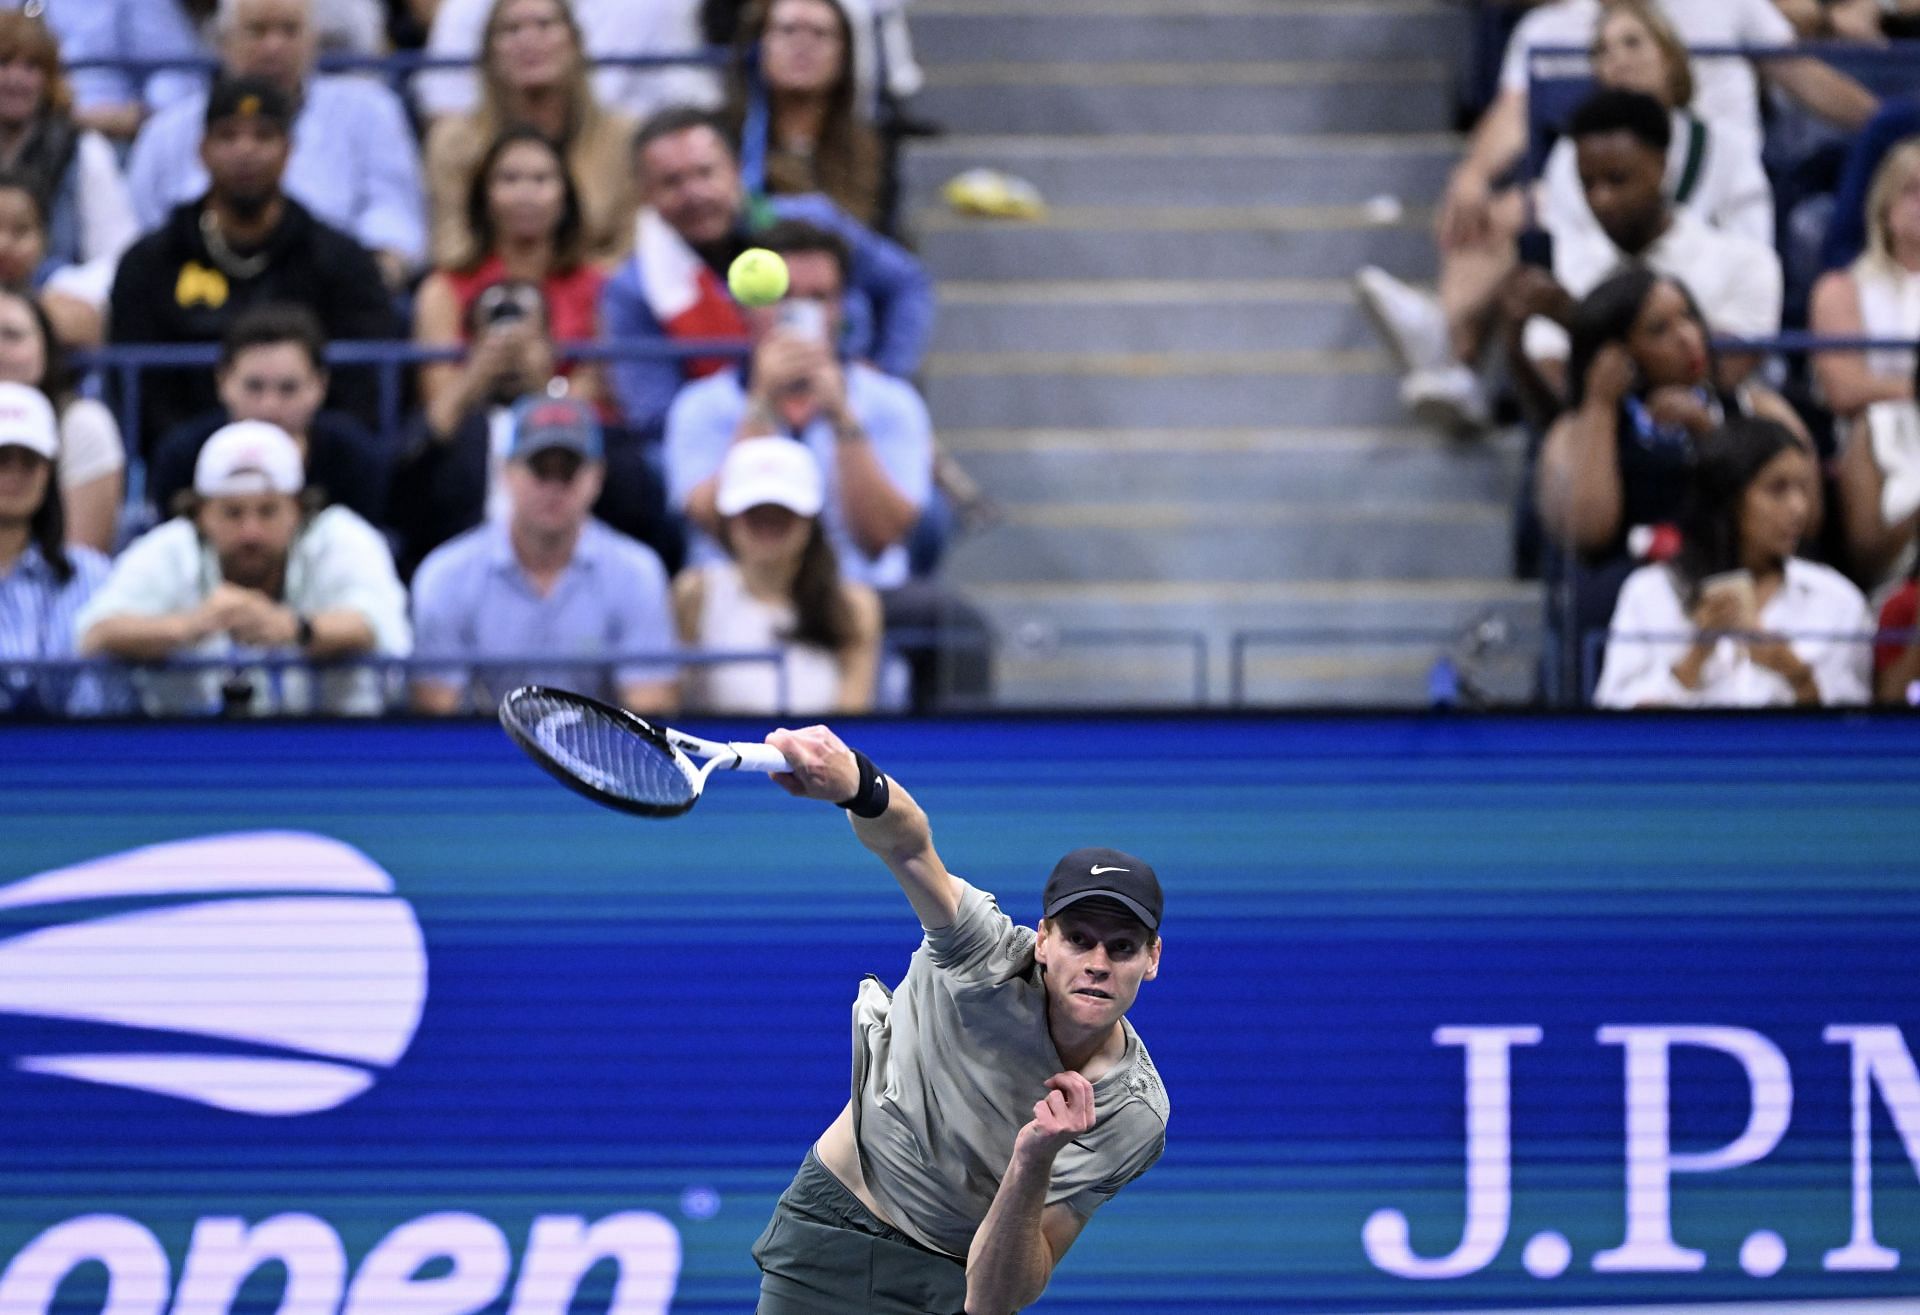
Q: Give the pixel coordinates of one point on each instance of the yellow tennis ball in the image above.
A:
(757, 277)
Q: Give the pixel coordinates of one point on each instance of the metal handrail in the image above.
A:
(1593, 642)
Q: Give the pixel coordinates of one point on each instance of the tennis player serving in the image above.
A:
(999, 1094)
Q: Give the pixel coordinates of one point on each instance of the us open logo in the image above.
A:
(266, 972)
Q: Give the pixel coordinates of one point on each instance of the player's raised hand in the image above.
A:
(1065, 1112)
(823, 766)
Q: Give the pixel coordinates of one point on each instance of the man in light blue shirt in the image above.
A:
(546, 581)
(869, 431)
(354, 162)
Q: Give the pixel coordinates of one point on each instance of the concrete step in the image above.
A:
(1061, 467)
(1343, 168)
(1163, 391)
(1253, 97)
(1118, 31)
(1249, 539)
(1177, 242)
(1152, 316)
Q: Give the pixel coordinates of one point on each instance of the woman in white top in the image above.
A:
(1712, 174)
(780, 589)
(92, 460)
(1735, 619)
(1878, 296)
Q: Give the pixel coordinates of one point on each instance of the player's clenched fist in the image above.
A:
(823, 766)
(1062, 1114)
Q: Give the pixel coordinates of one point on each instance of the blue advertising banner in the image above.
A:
(1477, 1014)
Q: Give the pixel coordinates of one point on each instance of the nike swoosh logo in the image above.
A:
(1097, 870)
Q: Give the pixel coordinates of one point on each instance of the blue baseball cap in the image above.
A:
(543, 422)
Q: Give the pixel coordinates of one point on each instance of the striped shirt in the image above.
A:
(36, 625)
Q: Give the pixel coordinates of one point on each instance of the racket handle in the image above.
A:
(759, 758)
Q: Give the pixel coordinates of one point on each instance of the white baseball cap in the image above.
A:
(26, 420)
(249, 456)
(779, 471)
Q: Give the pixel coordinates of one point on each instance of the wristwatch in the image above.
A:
(304, 635)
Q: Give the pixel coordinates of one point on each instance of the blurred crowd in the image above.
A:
(1653, 192)
(603, 472)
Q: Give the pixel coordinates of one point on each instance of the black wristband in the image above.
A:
(873, 796)
(303, 636)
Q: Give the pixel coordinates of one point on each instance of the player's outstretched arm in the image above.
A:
(825, 768)
(1022, 1238)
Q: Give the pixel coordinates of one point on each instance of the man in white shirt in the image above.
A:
(246, 575)
(1620, 142)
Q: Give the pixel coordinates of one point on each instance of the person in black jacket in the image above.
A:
(273, 367)
(244, 243)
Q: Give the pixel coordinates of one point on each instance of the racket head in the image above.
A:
(618, 760)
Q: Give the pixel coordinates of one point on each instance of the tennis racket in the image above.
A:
(617, 759)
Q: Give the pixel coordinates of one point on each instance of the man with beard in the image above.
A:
(244, 243)
(245, 574)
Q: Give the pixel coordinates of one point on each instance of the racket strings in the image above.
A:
(604, 753)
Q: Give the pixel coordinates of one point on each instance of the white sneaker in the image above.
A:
(1409, 321)
(1449, 399)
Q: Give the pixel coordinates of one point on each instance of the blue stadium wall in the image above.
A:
(391, 1024)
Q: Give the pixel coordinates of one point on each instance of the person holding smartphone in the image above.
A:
(1736, 619)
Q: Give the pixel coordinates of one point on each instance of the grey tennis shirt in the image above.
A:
(946, 1070)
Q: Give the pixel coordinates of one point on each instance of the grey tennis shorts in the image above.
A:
(823, 1253)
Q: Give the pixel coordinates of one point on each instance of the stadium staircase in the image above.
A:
(1165, 385)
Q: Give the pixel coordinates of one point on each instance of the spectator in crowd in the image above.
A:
(244, 243)
(1715, 176)
(1872, 393)
(1735, 619)
(452, 465)
(534, 69)
(353, 162)
(1896, 659)
(869, 431)
(72, 171)
(546, 579)
(1877, 296)
(1480, 218)
(791, 106)
(1846, 232)
(108, 33)
(695, 220)
(884, 67)
(91, 466)
(250, 572)
(524, 211)
(44, 579)
(273, 367)
(610, 29)
(1620, 141)
(1613, 473)
(26, 268)
(778, 589)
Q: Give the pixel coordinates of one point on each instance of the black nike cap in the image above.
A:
(1098, 873)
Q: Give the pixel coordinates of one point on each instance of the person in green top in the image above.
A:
(1000, 1096)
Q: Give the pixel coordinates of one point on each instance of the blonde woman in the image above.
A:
(533, 69)
(1877, 296)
